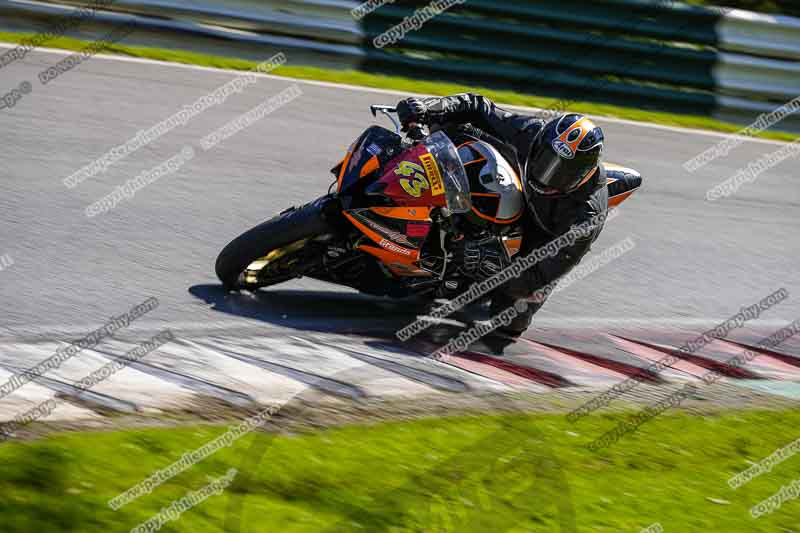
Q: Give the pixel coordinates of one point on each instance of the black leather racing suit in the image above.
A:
(549, 217)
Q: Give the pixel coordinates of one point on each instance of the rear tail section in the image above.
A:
(622, 183)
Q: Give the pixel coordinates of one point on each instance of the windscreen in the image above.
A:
(454, 175)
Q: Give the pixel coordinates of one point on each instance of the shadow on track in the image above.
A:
(326, 312)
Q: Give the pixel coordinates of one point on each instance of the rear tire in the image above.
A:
(291, 226)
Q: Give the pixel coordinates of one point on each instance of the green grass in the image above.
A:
(471, 474)
(401, 84)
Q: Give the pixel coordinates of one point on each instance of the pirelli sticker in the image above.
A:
(432, 170)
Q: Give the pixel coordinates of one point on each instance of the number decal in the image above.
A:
(418, 183)
(415, 188)
(407, 168)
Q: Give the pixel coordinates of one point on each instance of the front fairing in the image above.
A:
(430, 174)
(372, 150)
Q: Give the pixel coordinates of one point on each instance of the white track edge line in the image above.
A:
(675, 129)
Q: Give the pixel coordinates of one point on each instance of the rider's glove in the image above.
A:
(484, 259)
(411, 110)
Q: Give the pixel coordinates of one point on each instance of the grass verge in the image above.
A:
(398, 83)
(471, 473)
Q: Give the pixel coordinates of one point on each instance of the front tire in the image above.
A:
(292, 226)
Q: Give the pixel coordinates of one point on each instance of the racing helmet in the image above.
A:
(564, 156)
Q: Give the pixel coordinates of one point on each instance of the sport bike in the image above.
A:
(404, 216)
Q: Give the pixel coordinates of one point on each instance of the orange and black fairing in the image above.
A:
(366, 156)
(396, 235)
(407, 188)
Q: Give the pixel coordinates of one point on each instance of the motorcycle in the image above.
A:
(404, 217)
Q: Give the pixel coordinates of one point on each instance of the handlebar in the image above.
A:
(385, 109)
(388, 111)
(416, 132)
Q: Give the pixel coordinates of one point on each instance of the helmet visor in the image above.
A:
(549, 171)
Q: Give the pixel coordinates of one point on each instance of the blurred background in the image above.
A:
(719, 61)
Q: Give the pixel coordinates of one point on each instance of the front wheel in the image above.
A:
(271, 252)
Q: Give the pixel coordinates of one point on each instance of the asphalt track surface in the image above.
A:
(694, 263)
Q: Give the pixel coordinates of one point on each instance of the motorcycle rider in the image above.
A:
(563, 179)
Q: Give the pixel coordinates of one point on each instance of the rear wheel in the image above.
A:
(274, 251)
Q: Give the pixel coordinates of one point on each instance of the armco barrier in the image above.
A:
(649, 53)
(760, 34)
(326, 35)
(562, 47)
